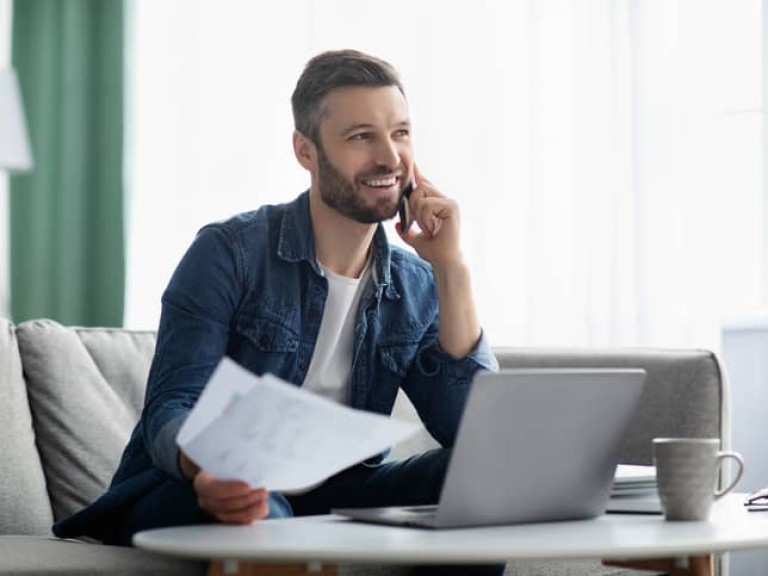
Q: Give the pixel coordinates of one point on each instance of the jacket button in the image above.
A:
(313, 314)
(303, 366)
(263, 340)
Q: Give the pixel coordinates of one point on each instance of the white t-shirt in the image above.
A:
(328, 372)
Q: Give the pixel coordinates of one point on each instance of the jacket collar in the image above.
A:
(296, 243)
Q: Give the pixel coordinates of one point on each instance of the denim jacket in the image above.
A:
(251, 288)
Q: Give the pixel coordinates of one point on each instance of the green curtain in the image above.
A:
(67, 246)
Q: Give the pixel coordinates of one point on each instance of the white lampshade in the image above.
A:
(15, 153)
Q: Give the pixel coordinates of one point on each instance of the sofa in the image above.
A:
(69, 398)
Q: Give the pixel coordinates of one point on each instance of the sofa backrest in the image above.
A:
(69, 398)
(685, 393)
(24, 504)
(85, 388)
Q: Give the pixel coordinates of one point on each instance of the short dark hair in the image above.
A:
(330, 70)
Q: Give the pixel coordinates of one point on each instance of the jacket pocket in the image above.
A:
(268, 336)
(398, 357)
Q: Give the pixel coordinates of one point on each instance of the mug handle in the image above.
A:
(735, 456)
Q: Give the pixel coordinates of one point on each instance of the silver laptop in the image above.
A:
(534, 445)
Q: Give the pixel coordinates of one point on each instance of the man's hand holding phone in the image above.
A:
(437, 217)
(437, 241)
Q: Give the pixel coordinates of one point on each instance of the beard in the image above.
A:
(341, 195)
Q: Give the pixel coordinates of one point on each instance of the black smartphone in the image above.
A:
(405, 215)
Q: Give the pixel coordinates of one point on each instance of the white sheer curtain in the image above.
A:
(606, 153)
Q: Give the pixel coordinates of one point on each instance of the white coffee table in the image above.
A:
(313, 541)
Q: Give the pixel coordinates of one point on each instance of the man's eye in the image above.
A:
(360, 136)
(403, 133)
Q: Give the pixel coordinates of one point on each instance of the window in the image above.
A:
(606, 153)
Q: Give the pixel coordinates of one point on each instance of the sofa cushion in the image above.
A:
(85, 389)
(38, 556)
(24, 504)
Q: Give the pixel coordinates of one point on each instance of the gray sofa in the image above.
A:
(69, 398)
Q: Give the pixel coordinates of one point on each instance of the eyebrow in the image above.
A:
(364, 126)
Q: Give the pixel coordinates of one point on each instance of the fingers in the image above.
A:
(254, 508)
(436, 234)
(231, 501)
(417, 177)
(428, 206)
(422, 186)
(431, 213)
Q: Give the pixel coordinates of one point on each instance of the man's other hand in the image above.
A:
(231, 501)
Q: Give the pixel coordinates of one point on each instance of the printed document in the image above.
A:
(272, 434)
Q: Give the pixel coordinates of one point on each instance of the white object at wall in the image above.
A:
(5, 58)
(15, 154)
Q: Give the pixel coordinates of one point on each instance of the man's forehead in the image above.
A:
(365, 105)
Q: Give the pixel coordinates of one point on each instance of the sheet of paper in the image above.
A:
(633, 480)
(228, 382)
(270, 433)
(635, 472)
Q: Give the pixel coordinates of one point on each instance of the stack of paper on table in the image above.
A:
(634, 490)
(632, 480)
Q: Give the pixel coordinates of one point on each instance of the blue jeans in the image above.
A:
(416, 480)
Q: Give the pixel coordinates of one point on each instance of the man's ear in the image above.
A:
(305, 151)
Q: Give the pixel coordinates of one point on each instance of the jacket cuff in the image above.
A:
(483, 355)
(165, 451)
(434, 358)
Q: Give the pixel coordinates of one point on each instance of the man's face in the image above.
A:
(364, 154)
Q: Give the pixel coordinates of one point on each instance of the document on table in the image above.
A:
(634, 480)
(270, 433)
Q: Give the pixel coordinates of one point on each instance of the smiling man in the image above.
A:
(313, 292)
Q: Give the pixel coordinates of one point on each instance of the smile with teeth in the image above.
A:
(381, 182)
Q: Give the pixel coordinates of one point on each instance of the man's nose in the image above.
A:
(387, 153)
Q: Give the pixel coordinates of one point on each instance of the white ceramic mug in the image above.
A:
(687, 470)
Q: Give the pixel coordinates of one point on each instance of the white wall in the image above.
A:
(765, 144)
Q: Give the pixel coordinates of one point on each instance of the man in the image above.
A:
(312, 291)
